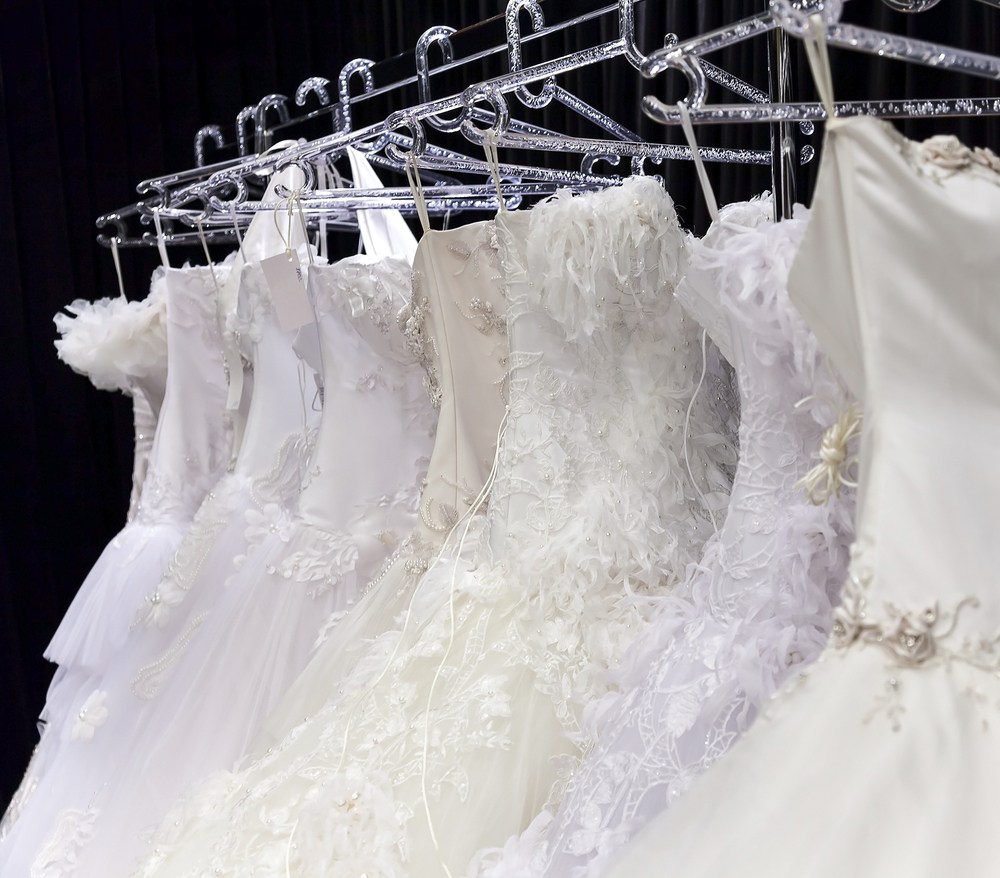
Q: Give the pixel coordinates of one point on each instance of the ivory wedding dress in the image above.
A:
(759, 602)
(447, 733)
(883, 758)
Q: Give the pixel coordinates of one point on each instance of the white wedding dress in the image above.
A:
(448, 732)
(759, 602)
(882, 758)
(122, 345)
(190, 451)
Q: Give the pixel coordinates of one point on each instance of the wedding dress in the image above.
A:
(189, 453)
(121, 345)
(881, 759)
(759, 602)
(447, 733)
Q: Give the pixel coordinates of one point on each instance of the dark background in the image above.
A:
(95, 96)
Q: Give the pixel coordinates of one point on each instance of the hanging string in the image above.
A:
(699, 165)
(321, 181)
(417, 188)
(208, 258)
(118, 268)
(493, 160)
(687, 430)
(161, 242)
(236, 228)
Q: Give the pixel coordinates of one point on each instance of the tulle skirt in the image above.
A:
(141, 734)
(96, 625)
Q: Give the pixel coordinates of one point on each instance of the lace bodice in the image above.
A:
(916, 336)
(191, 445)
(736, 282)
(603, 364)
(374, 407)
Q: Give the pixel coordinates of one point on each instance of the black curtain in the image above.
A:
(97, 96)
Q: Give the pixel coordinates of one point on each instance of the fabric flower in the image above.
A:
(946, 151)
(91, 717)
(272, 519)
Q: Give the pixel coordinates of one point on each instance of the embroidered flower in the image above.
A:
(272, 519)
(91, 717)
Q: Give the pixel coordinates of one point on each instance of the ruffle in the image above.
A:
(114, 341)
(622, 244)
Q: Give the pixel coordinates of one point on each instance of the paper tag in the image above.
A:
(288, 290)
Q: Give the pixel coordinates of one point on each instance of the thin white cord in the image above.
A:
(687, 424)
(118, 268)
(484, 492)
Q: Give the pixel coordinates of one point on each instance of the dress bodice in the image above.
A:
(191, 445)
(603, 364)
(121, 345)
(281, 401)
(735, 285)
(374, 408)
(456, 326)
(915, 333)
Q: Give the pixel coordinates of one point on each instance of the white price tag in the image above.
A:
(288, 290)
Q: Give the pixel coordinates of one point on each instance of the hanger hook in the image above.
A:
(212, 198)
(639, 165)
(434, 35)
(317, 85)
(501, 111)
(405, 119)
(794, 15)
(590, 160)
(243, 117)
(208, 132)
(117, 222)
(262, 136)
(674, 59)
(626, 31)
(361, 67)
(513, 20)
